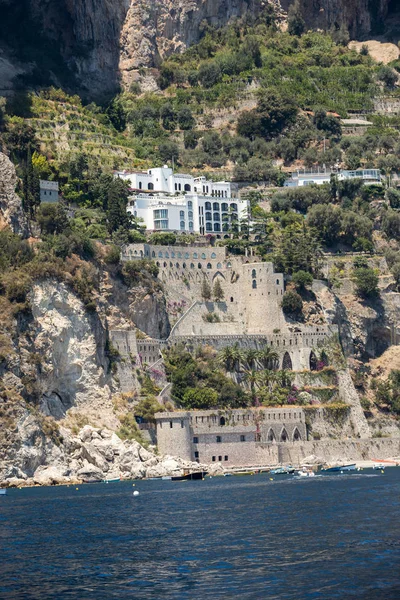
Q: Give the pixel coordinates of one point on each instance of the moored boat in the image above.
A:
(282, 471)
(3, 492)
(190, 476)
(340, 468)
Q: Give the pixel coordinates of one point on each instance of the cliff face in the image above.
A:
(103, 42)
(11, 213)
(361, 17)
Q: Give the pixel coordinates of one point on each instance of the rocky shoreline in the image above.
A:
(92, 456)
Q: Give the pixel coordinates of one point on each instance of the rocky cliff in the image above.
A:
(11, 213)
(103, 43)
(360, 17)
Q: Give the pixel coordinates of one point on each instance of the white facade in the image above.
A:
(48, 191)
(164, 180)
(189, 213)
(369, 176)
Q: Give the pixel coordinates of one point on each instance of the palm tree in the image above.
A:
(226, 357)
(251, 377)
(285, 378)
(268, 358)
(251, 357)
(267, 378)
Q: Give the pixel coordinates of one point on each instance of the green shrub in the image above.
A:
(292, 304)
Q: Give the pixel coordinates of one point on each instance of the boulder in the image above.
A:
(91, 454)
(90, 473)
(49, 476)
(145, 455)
(137, 471)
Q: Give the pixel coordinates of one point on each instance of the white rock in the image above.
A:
(49, 475)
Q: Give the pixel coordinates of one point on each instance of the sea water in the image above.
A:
(331, 536)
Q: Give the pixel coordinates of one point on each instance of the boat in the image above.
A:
(190, 476)
(3, 492)
(282, 471)
(340, 468)
(306, 473)
(111, 480)
(378, 467)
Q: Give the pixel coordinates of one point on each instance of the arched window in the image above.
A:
(254, 273)
(284, 435)
(313, 361)
(150, 186)
(208, 226)
(191, 265)
(190, 204)
(217, 227)
(158, 264)
(225, 227)
(217, 217)
(199, 266)
(177, 265)
(153, 254)
(179, 187)
(233, 206)
(224, 206)
(287, 362)
(182, 214)
(203, 256)
(186, 254)
(190, 225)
(187, 187)
(207, 206)
(195, 255)
(167, 255)
(179, 254)
(254, 284)
(208, 216)
(231, 298)
(172, 254)
(277, 282)
(215, 206)
(160, 255)
(296, 435)
(184, 266)
(219, 266)
(209, 266)
(165, 264)
(190, 214)
(271, 436)
(213, 255)
(225, 217)
(170, 264)
(140, 185)
(182, 224)
(222, 421)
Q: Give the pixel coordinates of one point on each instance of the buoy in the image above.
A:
(77, 488)
(382, 471)
(270, 479)
(133, 484)
(136, 493)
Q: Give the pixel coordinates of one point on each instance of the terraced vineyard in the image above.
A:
(65, 130)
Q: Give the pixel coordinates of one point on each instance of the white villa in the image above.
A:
(300, 179)
(180, 202)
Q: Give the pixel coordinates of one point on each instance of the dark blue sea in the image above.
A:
(335, 536)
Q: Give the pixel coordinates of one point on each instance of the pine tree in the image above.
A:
(31, 187)
(218, 292)
(205, 290)
(296, 24)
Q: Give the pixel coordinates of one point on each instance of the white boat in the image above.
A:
(3, 492)
(306, 473)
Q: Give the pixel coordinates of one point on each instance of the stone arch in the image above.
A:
(313, 361)
(287, 362)
(271, 435)
(218, 274)
(296, 435)
(222, 421)
(284, 435)
(187, 187)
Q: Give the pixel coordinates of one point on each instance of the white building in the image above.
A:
(48, 191)
(299, 179)
(164, 180)
(191, 213)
